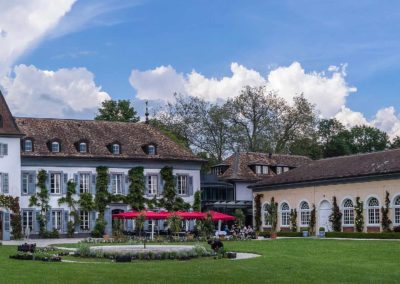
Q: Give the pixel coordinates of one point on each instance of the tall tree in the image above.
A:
(368, 139)
(120, 110)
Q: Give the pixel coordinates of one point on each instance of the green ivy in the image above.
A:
(273, 214)
(311, 226)
(257, 216)
(359, 218)
(336, 216)
(385, 214)
(197, 201)
(135, 196)
(41, 199)
(170, 200)
(293, 220)
(12, 203)
(101, 200)
(240, 217)
(71, 203)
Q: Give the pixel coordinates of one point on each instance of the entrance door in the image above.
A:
(1, 225)
(324, 212)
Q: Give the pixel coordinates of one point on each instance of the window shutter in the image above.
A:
(176, 183)
(49, 224)
(190, 185)
(129, 225)
(22, 183)
(92, 220)
(5, 183)
(107, 218)
(146, 185)
(66, 217)
(160, 185)
(93, 186)
(78, 221)
(65, 184)
(48, 182)
(109, 183)
(126, 185)
(4, 150)
(76, 181)
(36, 222)
(6, 221)
(32, 183)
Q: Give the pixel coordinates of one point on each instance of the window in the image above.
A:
(285, 214)
(348, 212)
(266, 219)
(3, 149)
(182, 185)
(152, 184)
(116, 183)
(55, 183)
(261, 170)
(25, 183)
(56, 219)
(304, 214)
(55, 147)
(82, 147)
(28, 145)
(278, 170)
(116, 149)
(84, 183)
(397, 210)
(84, 220)
(373, 211)
(27, 220)
(285, 169)
(151, 150)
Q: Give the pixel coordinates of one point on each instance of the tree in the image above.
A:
(101, 200)
(313, 219)
(272, 210)
(71, 203)
(174, 223)
(197, 201)
(41, 199)
(170, 131)
(120, 110)
(240, 217)
(293, 220)
(257, 206)
(395, 143)
(385, 214)
(336, 216)
(202, 124)
(135, 196)
(359, 218)
(368, 139)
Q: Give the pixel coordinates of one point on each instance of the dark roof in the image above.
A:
(132, 137)
(239, 164)
(9, 127)
(353, 166)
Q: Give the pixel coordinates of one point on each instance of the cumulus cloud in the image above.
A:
(69, 93)
(351, 118)
(327, 91)
(23, 23)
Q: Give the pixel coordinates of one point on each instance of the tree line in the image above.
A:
(256, 120)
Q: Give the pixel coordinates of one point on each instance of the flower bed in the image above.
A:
(41, 254)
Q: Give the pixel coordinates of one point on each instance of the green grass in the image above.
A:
(282, 261)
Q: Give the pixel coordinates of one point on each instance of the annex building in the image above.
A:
(69, 149)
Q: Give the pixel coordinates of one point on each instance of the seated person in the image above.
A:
(215, 244)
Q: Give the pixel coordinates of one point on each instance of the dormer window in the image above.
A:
(82, 147)
(278, 170)
(28, 145)
(116, 149)
(55, 147)
(261, 170)
(151, 150)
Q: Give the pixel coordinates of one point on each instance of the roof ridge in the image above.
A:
(359, 154)
(77, 119)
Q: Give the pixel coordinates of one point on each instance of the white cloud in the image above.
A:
(351, 118)
(327, 92)
(23, 23)
(63, 93)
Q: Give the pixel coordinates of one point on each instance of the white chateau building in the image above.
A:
(72, 149)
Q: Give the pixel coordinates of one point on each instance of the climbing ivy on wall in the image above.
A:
(12, 203)
(41, 200)
(359, 218)
(336, 216)
(137, 185)
(197, 201)
(101, 200)
(385, 214)
(293, 220)
(257, 206)
(273, 214)
(170, 200)
(69, 200)
(311, 226)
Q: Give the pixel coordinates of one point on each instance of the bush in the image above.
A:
(83, 250)
(264, 234)
(99, 228)
(290, 234)
(396, 229)
(358, 235)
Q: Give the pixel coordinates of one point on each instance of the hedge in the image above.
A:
(356, 235)
(290, 234)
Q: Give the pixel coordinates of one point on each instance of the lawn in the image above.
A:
(282, 261)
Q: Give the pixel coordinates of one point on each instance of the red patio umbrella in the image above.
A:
(218, 216)
(190, 215)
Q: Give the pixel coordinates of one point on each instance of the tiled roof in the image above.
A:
(239, 164)
(132, 137)
(9, 127)
(361, 165)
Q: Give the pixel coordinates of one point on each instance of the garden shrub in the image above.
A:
(360, 235)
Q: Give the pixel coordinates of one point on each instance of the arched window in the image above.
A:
(373, 211)
(285, 214)
(28, 145)
(116, 149)
(266, 219)
(82, 147)
(348, 212)
(397, 210)
(55, 147)
(305, 214)
(151, 150)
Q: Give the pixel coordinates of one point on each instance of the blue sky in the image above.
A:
(112, 38)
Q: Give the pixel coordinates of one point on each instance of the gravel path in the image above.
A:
(245, 255)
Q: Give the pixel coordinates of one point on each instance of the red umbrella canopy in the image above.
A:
(217, 216)
(150, 215)
(126, 215)
(190, 215)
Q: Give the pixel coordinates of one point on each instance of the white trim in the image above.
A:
(345, 198)
(280, 211)
(322, 200)
(394, 207)
(367, 208)
(262, 215)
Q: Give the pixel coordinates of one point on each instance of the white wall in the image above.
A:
(242, 192)
(11, 164)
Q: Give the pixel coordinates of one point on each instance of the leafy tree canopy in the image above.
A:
(120, 110)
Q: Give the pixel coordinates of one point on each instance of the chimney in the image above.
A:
(270, 155)
(147, 113)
